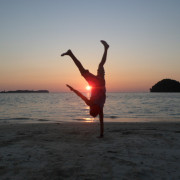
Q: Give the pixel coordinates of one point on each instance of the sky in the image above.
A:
(144, 39)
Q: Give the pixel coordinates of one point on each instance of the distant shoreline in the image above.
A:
(26, 91)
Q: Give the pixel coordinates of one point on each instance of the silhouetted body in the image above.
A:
(97, 82)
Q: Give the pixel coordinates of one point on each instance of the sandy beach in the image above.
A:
(73, 151)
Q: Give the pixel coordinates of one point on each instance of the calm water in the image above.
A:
(119, 107)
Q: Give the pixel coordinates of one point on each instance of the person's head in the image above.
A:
(94, 110)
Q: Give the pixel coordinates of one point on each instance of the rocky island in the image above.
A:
(26, 91)
(166, 85)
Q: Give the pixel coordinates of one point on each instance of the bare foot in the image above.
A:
(105, 44)
(66, 53)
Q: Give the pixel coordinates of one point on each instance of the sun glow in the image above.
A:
(88, 88)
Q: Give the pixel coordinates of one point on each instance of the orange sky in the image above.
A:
(143, 37)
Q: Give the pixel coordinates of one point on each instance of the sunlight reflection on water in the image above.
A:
(88, 119)
(119, 107)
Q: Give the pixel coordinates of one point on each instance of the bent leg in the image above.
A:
(101, 64)
(106, 46)
(76, 61)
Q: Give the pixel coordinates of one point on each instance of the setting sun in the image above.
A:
(88, 88)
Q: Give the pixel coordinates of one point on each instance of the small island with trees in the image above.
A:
(166, 85)
(26, 91)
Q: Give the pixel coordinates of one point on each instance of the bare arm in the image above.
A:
(84, 98)
(101, 119)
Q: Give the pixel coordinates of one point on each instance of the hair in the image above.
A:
(94, 110)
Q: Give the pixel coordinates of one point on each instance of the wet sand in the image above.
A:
(73, 151)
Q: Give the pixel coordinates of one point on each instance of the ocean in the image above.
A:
(64, 107)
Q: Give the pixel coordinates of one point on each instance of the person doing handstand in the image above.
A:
(97, 82)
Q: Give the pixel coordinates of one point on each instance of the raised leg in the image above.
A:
(106, 46)
(76, 61)
(101, 64)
